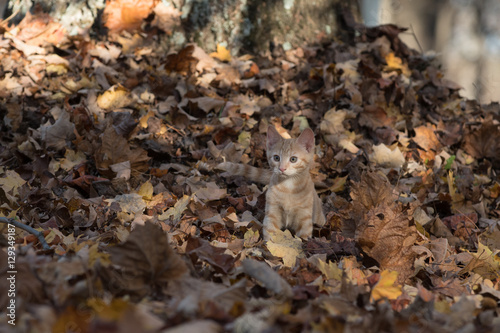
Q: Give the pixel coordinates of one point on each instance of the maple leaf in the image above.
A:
(382, 230)
(425, 137)
(386, 236)
(386, 287)
(222, 53)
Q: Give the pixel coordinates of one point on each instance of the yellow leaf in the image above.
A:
(487, 256)
(303, 124)
(95, 255)
(244, 139)
(143, 122)
(385, 287)
(330, 270)
(177, 210)
(114, 98)
(251, 237)
(57, 69)
(222, 53)
(395, 63)
(72, 158)
(285, 246)
(11, 182)
(146, 190)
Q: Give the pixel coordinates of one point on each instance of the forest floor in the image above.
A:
(109, 149)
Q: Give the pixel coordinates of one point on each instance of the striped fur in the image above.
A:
(253, 174)
(291, 200)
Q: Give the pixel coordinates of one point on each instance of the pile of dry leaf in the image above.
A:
(109, 148)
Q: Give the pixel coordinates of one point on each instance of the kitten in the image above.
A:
(291, 200)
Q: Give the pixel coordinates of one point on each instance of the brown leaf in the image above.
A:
(374, 189)
(144, 262)
(484, 142)
(386, 236)
(374, 117)
(182, 62)
(201, 249)
(116, 149)
(382, 231)
(426, 138)
(58, 134)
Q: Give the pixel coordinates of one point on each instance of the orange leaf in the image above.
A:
(395, 63)
(222, 53)
(126, 14)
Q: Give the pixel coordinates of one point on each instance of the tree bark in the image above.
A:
(240, 25)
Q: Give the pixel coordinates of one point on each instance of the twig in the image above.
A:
(27, 228)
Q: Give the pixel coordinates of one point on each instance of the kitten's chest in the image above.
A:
(291, 192)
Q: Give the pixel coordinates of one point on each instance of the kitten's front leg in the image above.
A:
(303, 224)
(273, 221)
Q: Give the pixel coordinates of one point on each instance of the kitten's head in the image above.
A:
(288, 157)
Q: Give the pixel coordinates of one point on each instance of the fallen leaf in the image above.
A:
(386, 157)
(222, 53)
(176, 212)
(114, 98)
(143, 262)
(285, 246)
(386, 287)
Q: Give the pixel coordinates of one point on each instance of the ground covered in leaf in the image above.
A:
(109, 148)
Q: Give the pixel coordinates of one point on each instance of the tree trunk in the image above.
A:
(240, 25)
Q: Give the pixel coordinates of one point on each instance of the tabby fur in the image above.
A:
(291, 200)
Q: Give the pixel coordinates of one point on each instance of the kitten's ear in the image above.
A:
(306, 139)
(273, 136)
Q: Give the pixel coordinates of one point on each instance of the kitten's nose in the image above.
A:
(282, 169)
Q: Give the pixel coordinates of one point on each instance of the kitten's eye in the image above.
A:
(293, 159)
(276, 158)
